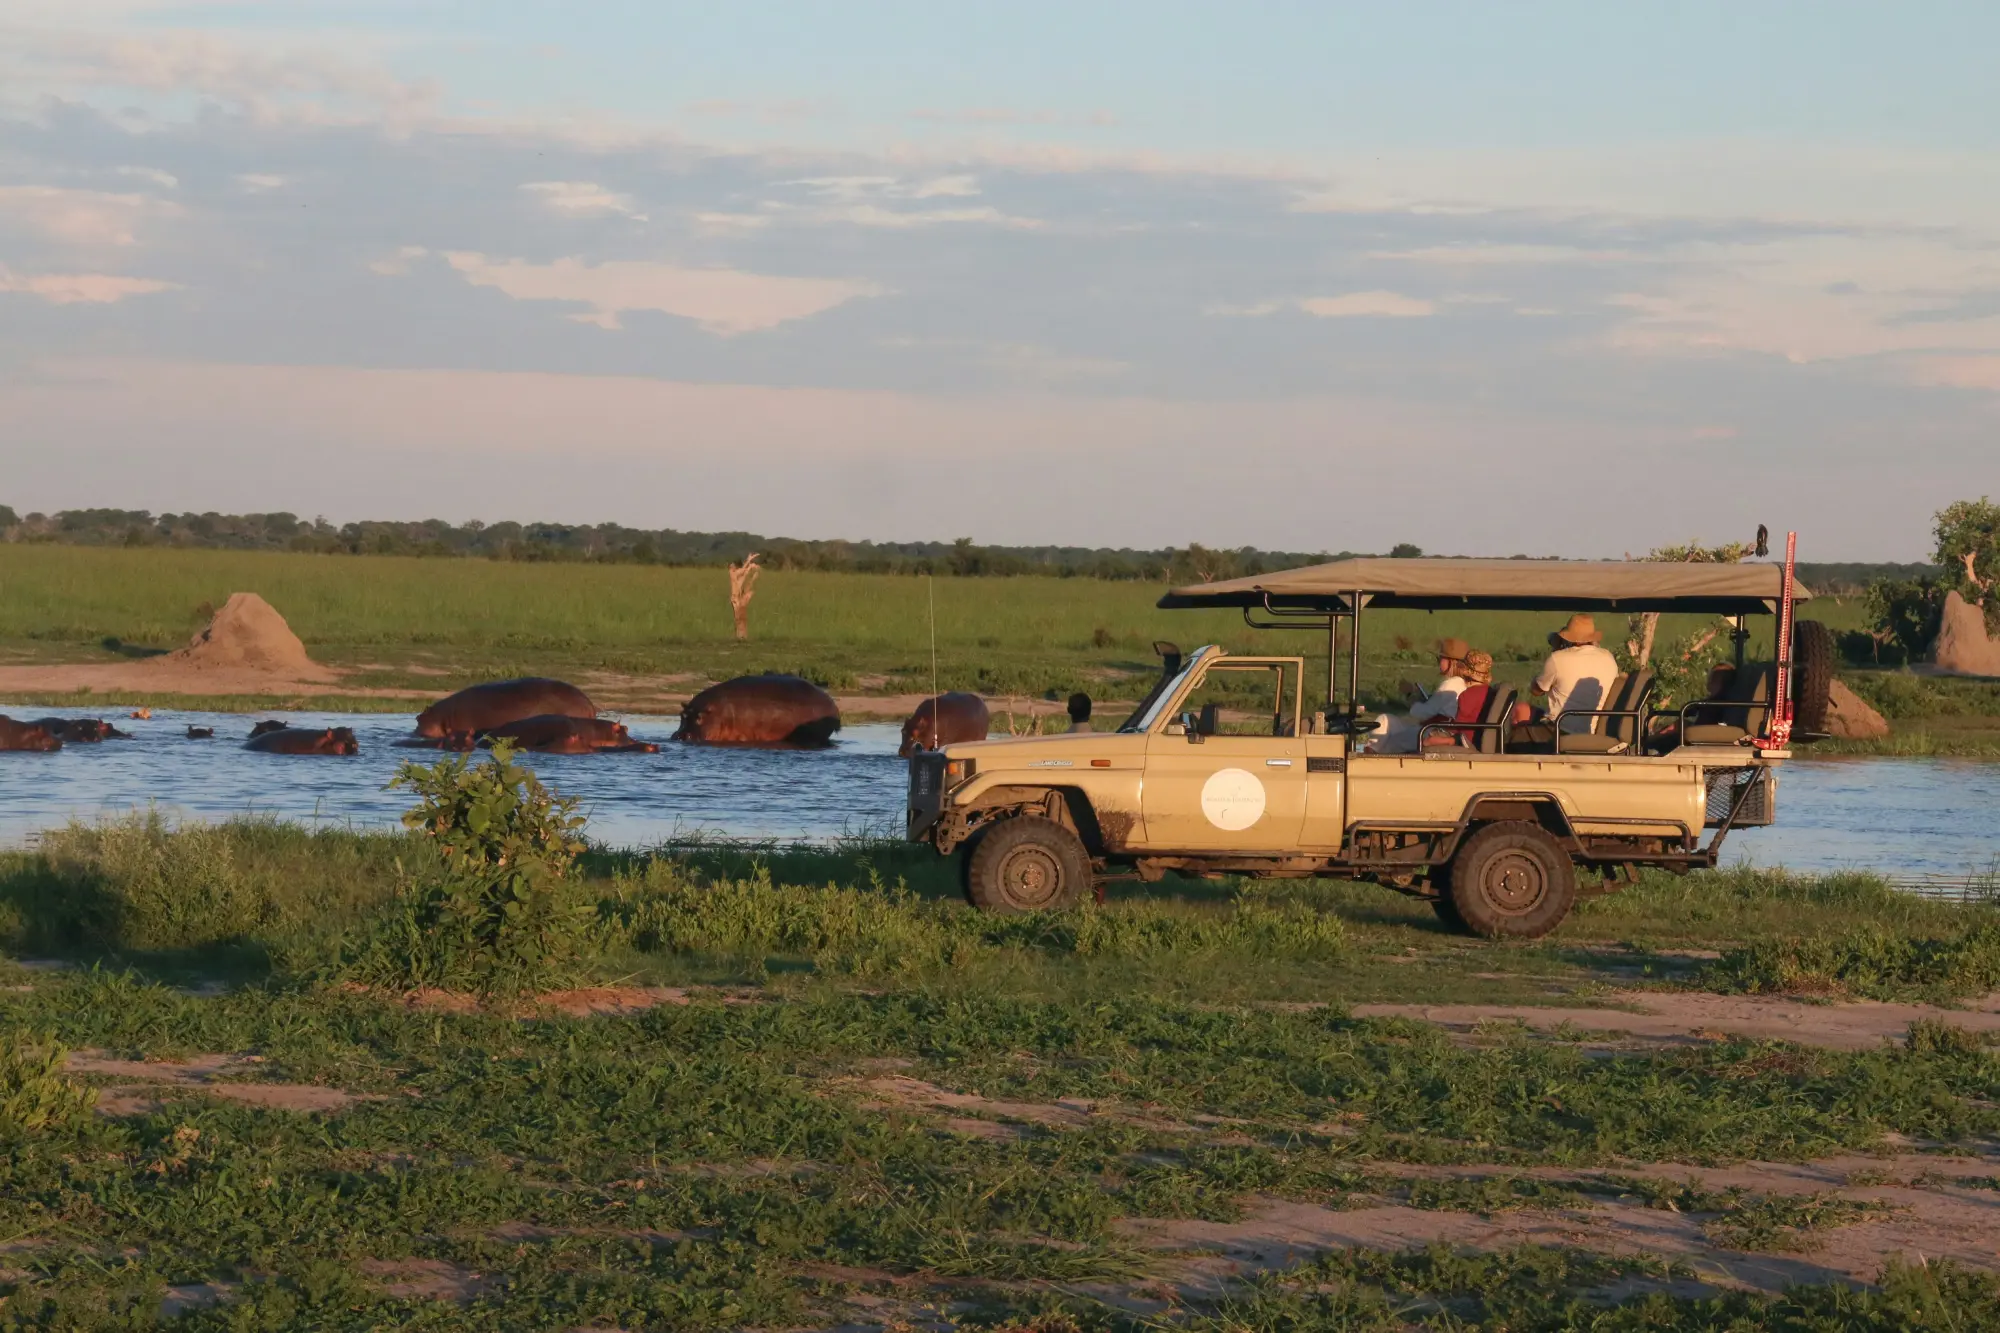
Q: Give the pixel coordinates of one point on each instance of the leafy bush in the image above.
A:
(1904, 614)
(35, 1094)
(497, 909)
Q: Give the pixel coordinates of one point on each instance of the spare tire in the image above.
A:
(1812, 675)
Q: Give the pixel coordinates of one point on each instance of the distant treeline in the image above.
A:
(613, 543)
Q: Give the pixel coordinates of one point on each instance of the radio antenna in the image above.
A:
(930, 592)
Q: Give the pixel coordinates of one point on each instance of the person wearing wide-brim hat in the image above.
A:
(1577, 676)
(1398, 735)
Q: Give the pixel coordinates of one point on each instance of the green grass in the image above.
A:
(476, 619)
(739, 1161)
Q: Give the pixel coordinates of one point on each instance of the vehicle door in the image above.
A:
(1226, 767)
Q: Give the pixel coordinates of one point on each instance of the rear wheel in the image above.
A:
(1812, 674)
(1512, 881)
(1027, 864)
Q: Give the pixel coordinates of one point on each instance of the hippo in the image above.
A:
(265, 727)
(304, 740)
(555, 734)
(81, 730)
(942, 719)
(26, 736)
(760, 710)
(201, 733)
(480, 708)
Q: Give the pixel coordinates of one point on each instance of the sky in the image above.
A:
(1567, 279)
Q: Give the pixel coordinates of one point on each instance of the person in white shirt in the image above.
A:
(1576, 677)
(1398, 735)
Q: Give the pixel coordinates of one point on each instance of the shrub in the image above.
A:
(496, 909)
(1905, 613)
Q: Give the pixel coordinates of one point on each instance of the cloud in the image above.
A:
(1002, 115)
(1387, 305)
(257, 182)
(397, 264)
(80, 217)
(584, 199)
(1352, 305)
(723, 301)
(166, 180)
(80, 288)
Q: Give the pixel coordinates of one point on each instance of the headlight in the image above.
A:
(957, 771)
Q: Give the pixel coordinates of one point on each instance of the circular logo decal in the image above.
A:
(1232, 799)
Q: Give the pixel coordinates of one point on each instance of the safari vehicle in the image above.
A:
(1491, 831)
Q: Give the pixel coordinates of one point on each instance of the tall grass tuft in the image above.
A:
(878, 928)
(1868, 961)
(35, 1094)
(139, 884)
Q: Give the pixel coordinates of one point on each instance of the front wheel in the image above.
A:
(1027, 864)
(1512, 881)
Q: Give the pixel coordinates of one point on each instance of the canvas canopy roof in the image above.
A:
(1504, 585)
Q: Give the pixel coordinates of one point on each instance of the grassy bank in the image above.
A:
(878, 1108)
(429, 623)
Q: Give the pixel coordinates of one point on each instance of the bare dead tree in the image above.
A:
(1982, 586)
(742, 587)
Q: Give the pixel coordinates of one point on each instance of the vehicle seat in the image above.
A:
(1209, 721)
(1491, 738)
(1617, 731)
(1737, 717)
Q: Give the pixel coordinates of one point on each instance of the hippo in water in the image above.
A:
(553, 734)
(265, 727)
(81, 730)
(942, 719)
(26, 735)
(305, 740)
(760, 710)
(480, 708)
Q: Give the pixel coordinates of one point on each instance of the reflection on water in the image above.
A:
(1902, 815)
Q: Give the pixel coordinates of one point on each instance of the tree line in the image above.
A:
(613, 543)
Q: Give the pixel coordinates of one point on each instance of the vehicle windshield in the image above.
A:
(1149, 711)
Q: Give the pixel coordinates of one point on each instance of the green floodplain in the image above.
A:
(777, 1088)
(259, 1077)
(415, 626)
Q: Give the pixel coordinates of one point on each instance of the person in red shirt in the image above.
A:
(1478, 673)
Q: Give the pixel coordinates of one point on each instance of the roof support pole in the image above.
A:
(1354, 663)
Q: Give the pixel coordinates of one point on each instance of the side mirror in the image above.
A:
(1191, 728)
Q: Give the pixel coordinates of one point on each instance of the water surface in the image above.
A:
(1904, 816)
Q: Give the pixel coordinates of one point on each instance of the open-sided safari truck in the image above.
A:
(1491, 831)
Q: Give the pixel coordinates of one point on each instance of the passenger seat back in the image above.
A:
(1491, 737)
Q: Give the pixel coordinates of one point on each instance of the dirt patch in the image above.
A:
(1936, 1223)
(207, 1074)
(899, 1090)
(612, 999)
(433, 1279)
(1688, 1016)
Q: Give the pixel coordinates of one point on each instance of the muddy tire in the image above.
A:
(1813, 669)
(1512, 881)
(1027, 864)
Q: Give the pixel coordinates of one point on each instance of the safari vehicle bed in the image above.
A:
(1489, 831)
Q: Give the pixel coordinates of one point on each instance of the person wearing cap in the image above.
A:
(1577, 675)
(1398, 735)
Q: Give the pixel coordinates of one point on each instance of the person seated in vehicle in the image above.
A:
(1477, 668)
(1079, 712)
(1576, 675)
(1398, 735)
